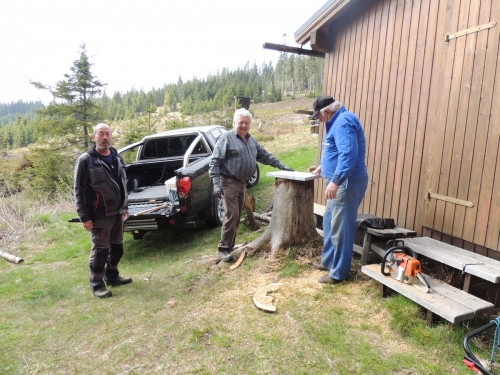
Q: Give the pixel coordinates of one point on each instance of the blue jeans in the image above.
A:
(339, 226)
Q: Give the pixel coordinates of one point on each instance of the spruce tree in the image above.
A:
(73, 112)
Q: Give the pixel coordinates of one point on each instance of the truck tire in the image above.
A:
(255, 178)
(218, 213)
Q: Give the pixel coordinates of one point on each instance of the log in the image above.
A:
(11, 258)
(292, 223)
(264, 218)
(250, 215)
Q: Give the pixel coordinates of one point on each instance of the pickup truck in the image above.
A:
(168, 183)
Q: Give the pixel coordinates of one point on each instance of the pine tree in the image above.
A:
(73, 110)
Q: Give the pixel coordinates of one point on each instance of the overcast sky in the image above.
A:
(139, 43)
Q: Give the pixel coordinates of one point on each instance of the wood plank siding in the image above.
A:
(430, 109)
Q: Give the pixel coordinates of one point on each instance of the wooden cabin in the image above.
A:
(423, 76)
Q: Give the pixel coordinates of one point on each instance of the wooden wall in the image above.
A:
(430, 110)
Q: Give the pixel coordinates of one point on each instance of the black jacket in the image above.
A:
(97, 193)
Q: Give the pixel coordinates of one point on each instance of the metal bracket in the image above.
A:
(440, 197)
(475, 29)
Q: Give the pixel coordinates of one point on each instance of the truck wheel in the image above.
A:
(218, 213)
(255, 178)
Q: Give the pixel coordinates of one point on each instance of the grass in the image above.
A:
(184, 314)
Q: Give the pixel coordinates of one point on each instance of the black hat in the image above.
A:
(320, 103)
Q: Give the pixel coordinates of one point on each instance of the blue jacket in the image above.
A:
(344, 148)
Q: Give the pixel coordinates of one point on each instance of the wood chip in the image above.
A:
(239, 261)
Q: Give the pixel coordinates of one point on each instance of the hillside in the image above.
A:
(186, 313)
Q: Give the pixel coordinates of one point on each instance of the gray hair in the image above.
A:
(242, 112)
(100, 125)
(334, 107)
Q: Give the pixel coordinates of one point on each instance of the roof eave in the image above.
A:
(320, 20)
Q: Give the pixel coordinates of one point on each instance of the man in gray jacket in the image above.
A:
(100, 189)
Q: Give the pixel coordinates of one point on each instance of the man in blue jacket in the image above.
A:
(343, 166)
(101, 203)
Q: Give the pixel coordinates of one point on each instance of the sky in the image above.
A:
(141, 44)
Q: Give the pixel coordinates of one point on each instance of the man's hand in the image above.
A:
(87, 225)
(317, 170)
(126, 215)
(218, 192)
(331, 191)
(285, 168)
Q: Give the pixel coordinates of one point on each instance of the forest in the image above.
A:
(25, 123)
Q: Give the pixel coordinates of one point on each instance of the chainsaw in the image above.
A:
(399, 262)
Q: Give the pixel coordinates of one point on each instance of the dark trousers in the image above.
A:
(107, 250)
(233, 199)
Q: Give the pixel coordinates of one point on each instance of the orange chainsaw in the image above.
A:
(400, 263)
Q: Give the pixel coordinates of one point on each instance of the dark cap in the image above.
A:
(320, 103)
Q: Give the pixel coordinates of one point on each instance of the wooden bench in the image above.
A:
(448, 302)
(466, 261)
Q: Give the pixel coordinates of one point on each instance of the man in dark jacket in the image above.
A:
(101, 204)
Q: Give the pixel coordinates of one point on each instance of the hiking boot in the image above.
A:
(102, 293)
(225, 256)
(319, 266)
(326, 279)
(119, 281)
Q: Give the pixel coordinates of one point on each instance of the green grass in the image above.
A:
(183, 314)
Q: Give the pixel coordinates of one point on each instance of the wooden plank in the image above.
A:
(417, 183)
(474, 264)
(444, 300)
(356, 62)
(406, 145)
(473, 149)
(383, 140)
(454, 77)
(397, 232)
(365, 58)
(493, 232)
(386, 33)
(391, 130)
(369, 125)
(439, 109)
(319, 209)
(481, 183)
(398, 133)
(464, 131)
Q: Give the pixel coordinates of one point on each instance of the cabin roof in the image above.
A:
(322, 19)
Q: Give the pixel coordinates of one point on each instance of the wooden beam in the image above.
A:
(321, 40)
(298, 51)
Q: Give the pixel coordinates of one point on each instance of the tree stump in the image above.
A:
(292, 222)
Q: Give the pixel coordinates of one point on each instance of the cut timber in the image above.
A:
(239, 261)
(262, 300)
(152, 209)
(250, 214)
(11, 258)
(292, 222)
(450, 303)
(264, 218)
